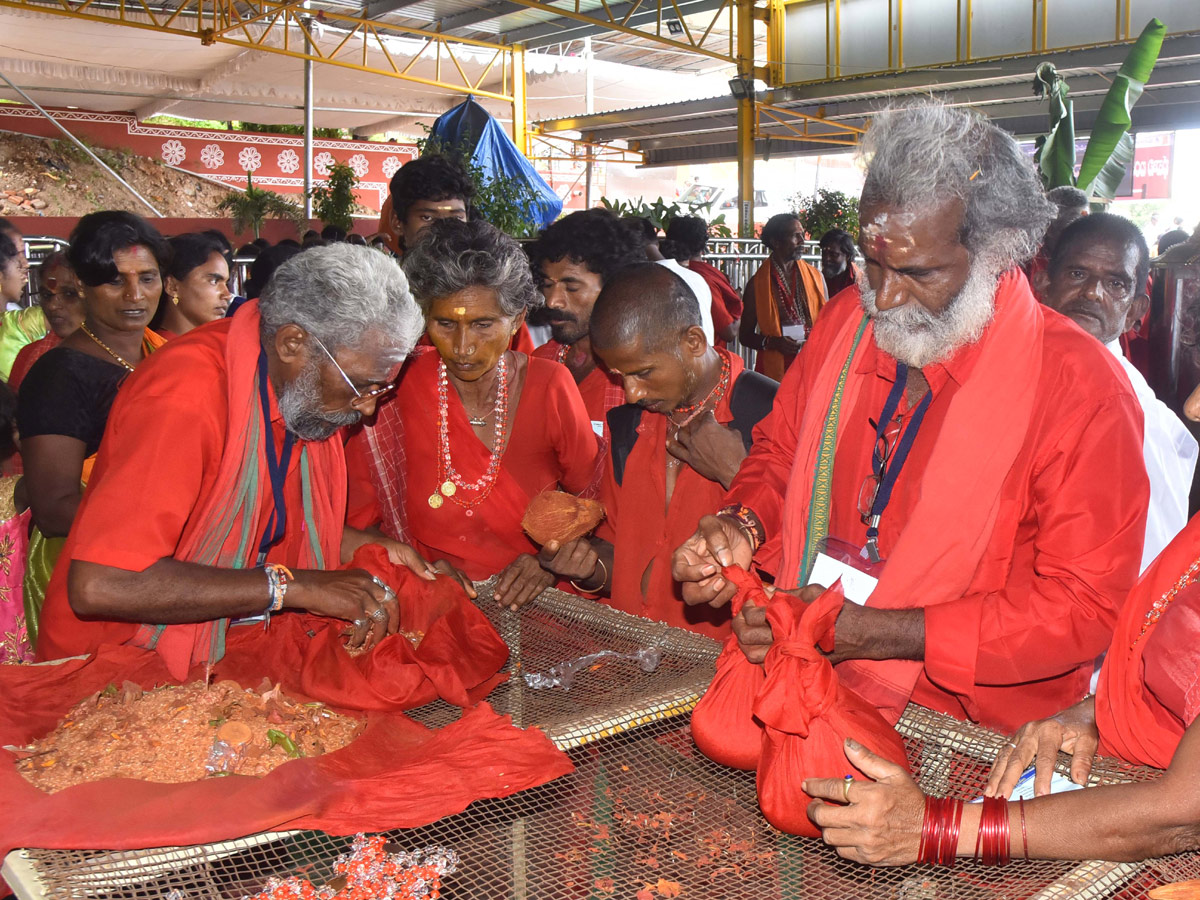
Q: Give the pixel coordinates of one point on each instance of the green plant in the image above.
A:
(254, 206)
(333, 201)
(1110, 147)
(660, 213)
(500, 200)
(825, 210)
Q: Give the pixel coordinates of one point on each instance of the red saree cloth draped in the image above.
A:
(1146, 696)
(550, 443)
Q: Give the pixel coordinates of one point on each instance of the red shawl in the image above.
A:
(1133, 723)
(931, 563)
(224, 529)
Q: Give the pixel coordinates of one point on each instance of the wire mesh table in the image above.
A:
(643, 811)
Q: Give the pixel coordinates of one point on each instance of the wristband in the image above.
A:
(278, 577)
(745, 519)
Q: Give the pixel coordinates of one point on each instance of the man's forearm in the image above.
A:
(866, 633)
(169, 592)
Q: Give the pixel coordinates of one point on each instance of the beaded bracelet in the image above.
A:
(603, 580)
(745, 519)
(278, 577)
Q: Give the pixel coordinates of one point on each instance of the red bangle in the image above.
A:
(939, 831)
(1024, 833)
(992, 842)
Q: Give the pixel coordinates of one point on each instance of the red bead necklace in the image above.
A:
(715, 396)
(449, 479)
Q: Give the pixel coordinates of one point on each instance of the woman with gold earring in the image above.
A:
(196, 286)
(63, 407)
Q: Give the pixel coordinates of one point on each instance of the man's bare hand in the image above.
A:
(712, 449)
(753, 632)
(442, 567)
(348, 594)
(575, 560)
(1073, 731)
(521, 581)
(697, 564)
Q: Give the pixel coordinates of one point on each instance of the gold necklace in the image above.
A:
(107, 349)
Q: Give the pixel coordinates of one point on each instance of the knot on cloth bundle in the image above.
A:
(559, 516)
(788, 718)
(369, 785)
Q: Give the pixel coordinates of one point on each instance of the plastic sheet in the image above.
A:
(563, 674)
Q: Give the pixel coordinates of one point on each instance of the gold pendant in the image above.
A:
(448, 488)
(435, 500)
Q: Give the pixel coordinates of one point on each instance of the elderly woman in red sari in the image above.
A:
(475, 429)
(1144, 711)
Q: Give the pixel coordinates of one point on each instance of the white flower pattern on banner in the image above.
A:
(212, 156)
(322, 163)
(391, 166)
(173, 152)
(249, 159)
(288, 161)
(359, 164)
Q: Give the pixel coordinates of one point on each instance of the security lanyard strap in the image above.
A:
(276, 467)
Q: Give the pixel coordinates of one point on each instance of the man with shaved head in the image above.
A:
(675, 446)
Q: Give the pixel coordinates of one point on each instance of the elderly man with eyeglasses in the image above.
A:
(219, 491)
(968, 462)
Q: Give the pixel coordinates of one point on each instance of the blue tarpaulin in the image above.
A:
(495, 153)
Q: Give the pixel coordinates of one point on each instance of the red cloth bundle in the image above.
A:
(396, 774)
(807, 714)
(723, 724)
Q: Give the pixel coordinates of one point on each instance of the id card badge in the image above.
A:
(840, 559)
(598, 428)
(795, 332)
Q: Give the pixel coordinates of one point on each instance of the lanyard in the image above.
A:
(276, 468)
(889, 473)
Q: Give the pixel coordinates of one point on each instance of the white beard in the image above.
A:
(917, 337)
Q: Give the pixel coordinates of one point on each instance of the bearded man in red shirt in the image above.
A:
(964, 459)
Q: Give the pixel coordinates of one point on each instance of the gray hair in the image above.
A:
(451, 255)
(339, 293)
(922, 156)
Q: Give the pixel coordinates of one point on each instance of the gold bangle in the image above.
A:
(603, 580)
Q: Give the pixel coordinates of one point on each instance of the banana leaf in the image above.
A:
(1113, 120)
(1105, 184)
(1056, 150)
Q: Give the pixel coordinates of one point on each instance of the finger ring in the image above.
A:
(389, 595)
(361, 623)
(1011, 745)
(379, 615)
(846, 782)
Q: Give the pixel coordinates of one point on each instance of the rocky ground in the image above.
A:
(42, 177)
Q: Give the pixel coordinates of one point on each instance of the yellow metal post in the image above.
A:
(519, 104)
(745, 118)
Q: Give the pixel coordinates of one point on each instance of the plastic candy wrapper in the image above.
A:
(562, 517)
(563, 674)
(370, 872)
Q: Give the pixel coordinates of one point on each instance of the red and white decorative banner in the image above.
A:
(275, 160)
(1152, 160)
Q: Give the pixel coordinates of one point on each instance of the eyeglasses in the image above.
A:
(359, 395)
(884, 448)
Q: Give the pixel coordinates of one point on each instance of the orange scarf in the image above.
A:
(982, 434)
(226, 524)
(766, 303)
(1133, 724)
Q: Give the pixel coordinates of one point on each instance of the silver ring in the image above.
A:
(389, 596)
(379, 615)
(1011, 745)
(361, 623)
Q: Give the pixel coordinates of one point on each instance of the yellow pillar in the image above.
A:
(520, 107)
(745, 118)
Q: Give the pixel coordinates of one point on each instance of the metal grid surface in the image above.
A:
(642, 806)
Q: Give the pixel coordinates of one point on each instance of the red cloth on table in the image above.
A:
(600, 389)
(171, 454)
(1021, 573)
(807, 712)
(1148, 695)
(396, 774)
(28, 355)
(551, 443)
(645, 532)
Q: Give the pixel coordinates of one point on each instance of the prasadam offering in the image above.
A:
(174, 734)
(559, 516)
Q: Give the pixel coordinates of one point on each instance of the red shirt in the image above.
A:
(1066, 546)
(160, 454)
(600, 389)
